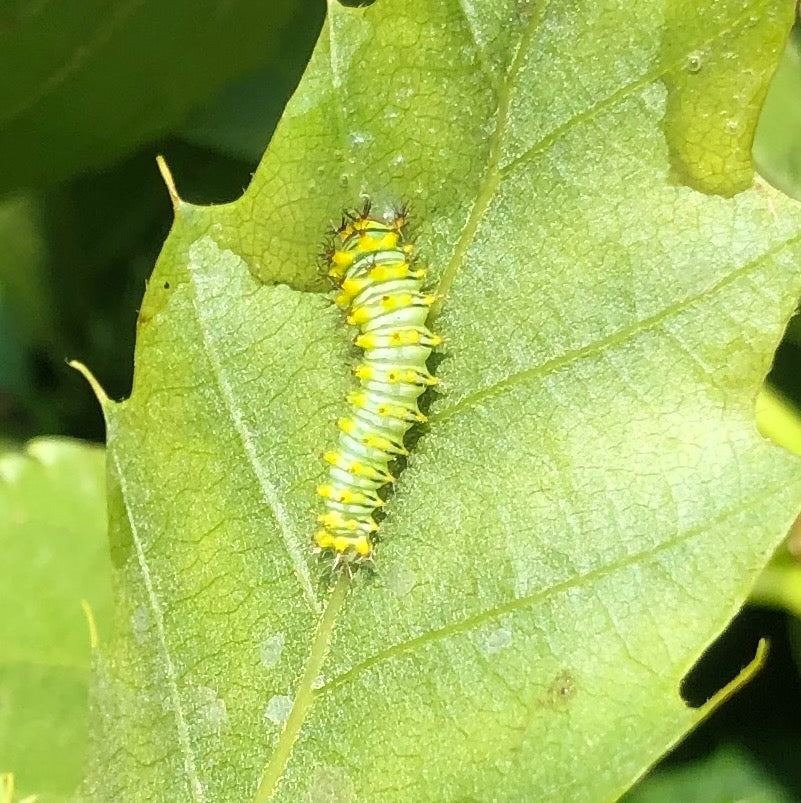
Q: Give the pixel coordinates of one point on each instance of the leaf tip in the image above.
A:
(97, 388)
(744, 676)
(169, 181)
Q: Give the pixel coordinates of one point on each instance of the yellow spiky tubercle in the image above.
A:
(381, 290)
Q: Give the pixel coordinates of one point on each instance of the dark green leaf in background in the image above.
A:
(85, 81)
(591, 501)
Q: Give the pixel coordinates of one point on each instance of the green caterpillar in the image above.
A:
(370, 259)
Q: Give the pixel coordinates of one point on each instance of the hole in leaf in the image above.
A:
(764, 716)
(719, 666)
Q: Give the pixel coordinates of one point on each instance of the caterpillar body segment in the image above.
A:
(381, 291)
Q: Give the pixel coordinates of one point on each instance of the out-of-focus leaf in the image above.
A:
(778, 419)
(23, 262)
(777, 144)
(85, 82)
(239, 120)
(591, 501)
(54, 555)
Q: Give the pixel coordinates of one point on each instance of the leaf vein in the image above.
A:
(542, 595)
(161, 637)
(615, 339)
(269, 490)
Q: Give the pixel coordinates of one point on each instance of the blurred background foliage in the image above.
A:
(84, 109)
(83, 215)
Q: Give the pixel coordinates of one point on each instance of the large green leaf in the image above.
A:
(591, 501)
(54, 555)
(86, 81)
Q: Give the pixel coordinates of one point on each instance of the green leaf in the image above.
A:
(87, 81)
(777, 143)
(591, 501)
(52, 539)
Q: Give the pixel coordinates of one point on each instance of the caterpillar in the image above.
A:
(371, 261)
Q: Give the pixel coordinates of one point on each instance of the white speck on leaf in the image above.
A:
(278, 708)
(271, 648)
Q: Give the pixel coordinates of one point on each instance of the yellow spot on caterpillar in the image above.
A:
(389, 240)
(405, 337)
(358, 398)
(331, 457)
(347, 497)
(385, 273)
(342, 259)
(334, 520)
(363, 371)
(397, 301)
(324, 539)
(399, 411)
(359, 316)
(385, 242)
(353, 286)
(338, 460)
(347, 425)
(342, 542)
(377, 442)
(367, 341)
